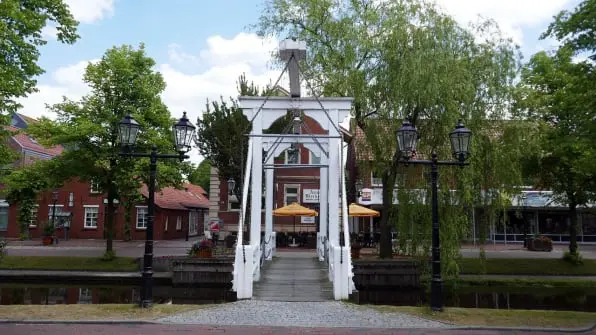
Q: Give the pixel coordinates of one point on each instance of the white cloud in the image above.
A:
(91, 11)
(188, 87)
(66, 81)
(511, 15)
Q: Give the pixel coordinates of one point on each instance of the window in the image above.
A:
(376, 181)
(291, 194)
(142, 217)
(313, 159)
(179, 223)
(33, 218)
(292, 156)
(3, 216)
(233, 205)
(91, 215)
(94, 186)
(166, 224)
(85, 296)
(59, 211)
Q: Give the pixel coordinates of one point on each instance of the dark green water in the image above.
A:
(494, 297)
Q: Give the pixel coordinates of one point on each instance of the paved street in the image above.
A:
(154, 329)
(93, 248)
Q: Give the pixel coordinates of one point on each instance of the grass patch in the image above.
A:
(523, 282)
(91, 312)
(499, 317)
(68, 263)
(521, 266)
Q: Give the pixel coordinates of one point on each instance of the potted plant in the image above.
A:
(202, 249)
(540, 243)
(355, 250)
(47, 236)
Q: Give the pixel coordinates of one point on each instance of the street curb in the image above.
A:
(87, 322)
(535, 329)
(149, 322)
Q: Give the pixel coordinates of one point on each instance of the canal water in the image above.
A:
(496, 298)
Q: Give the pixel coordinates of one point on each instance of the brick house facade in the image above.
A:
(178, 211)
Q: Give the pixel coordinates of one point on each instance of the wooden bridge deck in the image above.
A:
(294, 276)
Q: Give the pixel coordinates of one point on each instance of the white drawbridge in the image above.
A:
(329, 112)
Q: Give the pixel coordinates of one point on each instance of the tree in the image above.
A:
(21, 23)
(122, 82)
(560, 97)
(406, 59)
(577, 29)
(201, 175)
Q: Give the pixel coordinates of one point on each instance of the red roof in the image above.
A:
(190, 196)
(28, 143)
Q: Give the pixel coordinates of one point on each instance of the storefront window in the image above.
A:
(3, 217)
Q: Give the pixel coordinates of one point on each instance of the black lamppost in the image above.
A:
(460, 138)
(55, 199)
(524, 203)
(128, 131)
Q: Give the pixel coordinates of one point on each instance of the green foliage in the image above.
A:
(122, 82)
(573, 258)
(21, 23)
(48, 229)
(221, 132)
(577, 29)
(24, 185)
(558, 94)
(108, 256)
(402, 59)
(526, 266)
(201, 175)
(3, 244)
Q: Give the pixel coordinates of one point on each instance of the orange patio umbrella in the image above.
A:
(360, 211)
(294, 210)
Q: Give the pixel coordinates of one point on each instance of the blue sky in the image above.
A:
(202, 46)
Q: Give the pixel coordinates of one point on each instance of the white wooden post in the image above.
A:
(269, 214)
(256, 188)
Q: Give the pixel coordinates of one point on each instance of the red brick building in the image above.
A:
(300, 185)
(81, 207)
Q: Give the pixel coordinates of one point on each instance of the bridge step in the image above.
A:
(294, 276)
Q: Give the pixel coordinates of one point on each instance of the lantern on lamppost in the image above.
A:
(128, 133)
(460, 139)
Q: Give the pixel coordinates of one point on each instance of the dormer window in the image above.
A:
(33, 140)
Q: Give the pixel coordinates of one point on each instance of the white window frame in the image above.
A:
(297, 187)
(85, 296)
(4, 204)
(230, 209)
(86, 208)
(33, 219)
(179, 223)
(59, 209)
(286, 157)
(146, 210)
(94, 186)
(310, 158)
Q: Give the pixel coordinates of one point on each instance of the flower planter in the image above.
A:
(540, 244)
(47, 240)
(204, 252)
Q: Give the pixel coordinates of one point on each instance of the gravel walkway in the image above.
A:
(299, 314)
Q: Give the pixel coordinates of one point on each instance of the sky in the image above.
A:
(202, 46)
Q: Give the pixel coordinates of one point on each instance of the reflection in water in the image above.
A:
(494, 298)
(499, 298)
